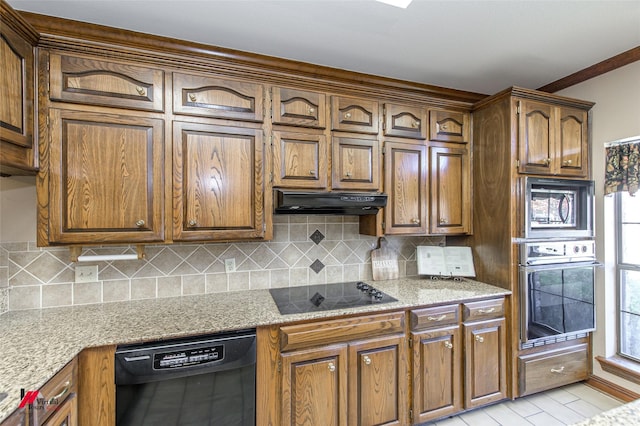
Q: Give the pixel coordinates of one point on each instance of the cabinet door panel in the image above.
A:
(536, 137)
(449, 126)
(405, 184)
(314, 387)
(450, 196)
(218, 190)
(437, 362)
(572, 145)
(299, 108)
(355, 163)
(405, 121)
(300, 160)
(215, 97)
(354, 115)
(97, 82)
(107, 180)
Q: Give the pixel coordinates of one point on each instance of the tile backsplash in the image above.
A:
(304, 250)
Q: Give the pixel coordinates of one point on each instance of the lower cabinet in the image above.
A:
(58, 404)
(553, 368)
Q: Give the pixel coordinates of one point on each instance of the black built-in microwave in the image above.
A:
(558, 208)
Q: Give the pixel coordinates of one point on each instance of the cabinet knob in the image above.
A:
(348, 174)
(442, 221)
(366, 360)
(443, 126)
(557, 370)
(479, 338)
(416, 124)
(567, 162)
(192, 97)
(438, 318)
(312, 110)
(547, 161)
(192, 222)
(448, 345)
(140, 223)
(140, 90)
(416, 221)
(332, 367)
(347, 115)
(312, 172)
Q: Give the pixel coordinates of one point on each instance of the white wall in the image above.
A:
(615, 116)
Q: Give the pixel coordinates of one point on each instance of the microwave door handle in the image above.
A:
(564, 201)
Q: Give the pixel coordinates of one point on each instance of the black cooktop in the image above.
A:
(327, 297)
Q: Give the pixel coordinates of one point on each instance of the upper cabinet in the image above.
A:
(355, 162)
(17, 143)
(299, 108)
(93, 81)
(216, 97)
(450, 192)
(552, 139)
(449, 126)
(354, 115)
(405, 121)
(300, 159)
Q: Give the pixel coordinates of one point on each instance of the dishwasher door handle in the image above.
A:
(137, 358)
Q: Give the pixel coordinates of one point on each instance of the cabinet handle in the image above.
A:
(479, 338)
(192, 222)
(332, 367)
(416, 221)
(567, 162)
(448, 345)
(312, 110)
(366, 360)
(416, 124)
(557, 370)
(443, 221)
(440, 318)
(486, 311)
(192, 97)
(140, 90)
(347, 115)
(56, 398)
(140, 223)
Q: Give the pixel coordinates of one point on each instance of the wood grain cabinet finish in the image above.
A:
(405, 121)
(553, 139)
(450, 194)
(355, 163)
(406, 186)
(449, 126)
(354, 115)
(65, 415)
(93, 81)
(218, 191)
(19, 154)
(300, 160)
(299, 108)
(217, 97)
(107, 182)
(60, 396)
(553, 368)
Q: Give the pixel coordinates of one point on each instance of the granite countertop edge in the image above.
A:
(36, 344)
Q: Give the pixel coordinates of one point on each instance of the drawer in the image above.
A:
(405, 121)
(548, 370)
(55, 392)
(299, 108)
(437, 316)
(97, 82)
(342, 330)
(216, 97)
(485, 309)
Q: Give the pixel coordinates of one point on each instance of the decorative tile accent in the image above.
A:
(317, 236)
(317, 266)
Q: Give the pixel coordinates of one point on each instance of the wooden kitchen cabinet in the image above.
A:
(218, 191)
(65, 415)
(450, 194)
(300, 159)
(298, 108)
(18, 146)
(59, 404)
(354, 115)
(449, 126)
(553, 368)
(355, 163)
(553, 139)
(405, 121)
(107, 180)
(405, 183)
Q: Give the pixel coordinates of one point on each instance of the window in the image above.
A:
(628, 262)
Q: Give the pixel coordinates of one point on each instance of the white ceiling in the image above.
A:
(480, 46)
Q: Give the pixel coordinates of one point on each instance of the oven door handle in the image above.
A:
(563, 265)
(564, 201)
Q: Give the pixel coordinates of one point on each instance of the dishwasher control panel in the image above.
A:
(187, 358)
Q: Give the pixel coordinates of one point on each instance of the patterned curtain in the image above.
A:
(623, 168)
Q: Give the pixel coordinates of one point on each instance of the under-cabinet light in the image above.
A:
(397, 3)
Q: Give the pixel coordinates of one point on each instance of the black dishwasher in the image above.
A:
(204, 380)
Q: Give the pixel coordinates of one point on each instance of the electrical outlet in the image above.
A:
(229, 265)
(86, 274)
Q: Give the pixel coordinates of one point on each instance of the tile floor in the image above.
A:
(563, 406)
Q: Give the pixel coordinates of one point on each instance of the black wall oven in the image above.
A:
(556, 290)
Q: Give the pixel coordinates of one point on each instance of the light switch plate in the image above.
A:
(86, 273)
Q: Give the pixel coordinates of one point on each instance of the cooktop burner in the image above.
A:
(327, 297)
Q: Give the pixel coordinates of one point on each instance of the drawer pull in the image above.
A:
(366, 360)
(332, 367)
(448, 345)
(416, 124)
(140, 90)
(192, 97)
(479, 338)
(347, 115)
(443, 126)
(557, 370)
(440, 318)
(486, 311)
(312, 110)
(56, 398)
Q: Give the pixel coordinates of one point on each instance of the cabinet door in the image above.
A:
(437, 363)
(572, 143)
(16, 103)
(450, 196)
(485, 362)
(355, 163)
(378, 381)
(107, 182)
(354, 115)
(299, 108)
(218, 182)
(96, 82)
(536, 137)
(314, 387)
(449, 126)
(405, 121)
(300, 160)
(216, 97)
(406, 185)
(65, 414)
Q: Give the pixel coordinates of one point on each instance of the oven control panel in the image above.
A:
(549, 252)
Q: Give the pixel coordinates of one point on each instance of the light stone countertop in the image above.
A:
(36, 344)
(627, 415)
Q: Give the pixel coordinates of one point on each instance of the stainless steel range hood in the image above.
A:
(328, 203)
